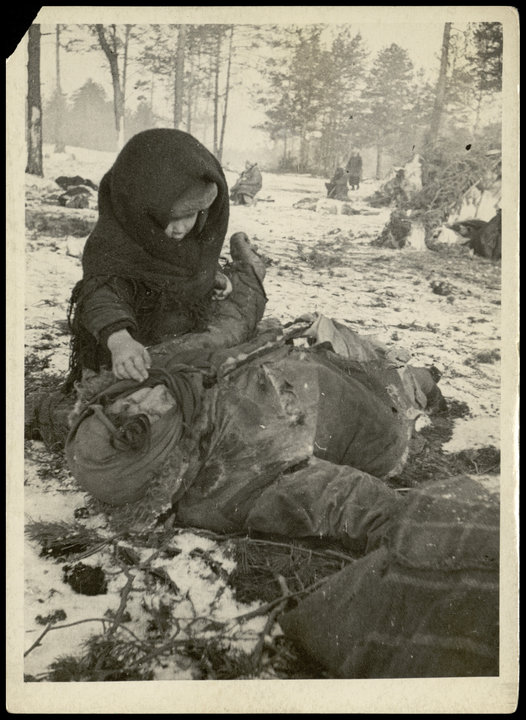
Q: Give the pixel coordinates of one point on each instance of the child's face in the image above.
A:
(179, 227)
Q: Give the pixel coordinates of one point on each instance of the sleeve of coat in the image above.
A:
(108, 309)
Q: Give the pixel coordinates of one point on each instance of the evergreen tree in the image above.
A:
(474, 80)
(387, 108)
(488, 55)
(91, 119)
(342, 71)
(297, 85)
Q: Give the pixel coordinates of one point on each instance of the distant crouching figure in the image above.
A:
(337, 186)
(247, 185)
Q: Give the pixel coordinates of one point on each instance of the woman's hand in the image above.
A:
(222, 287)
(130, 359)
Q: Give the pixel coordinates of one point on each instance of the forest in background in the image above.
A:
(320, 90)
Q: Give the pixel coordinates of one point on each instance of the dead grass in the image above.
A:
(428, 461)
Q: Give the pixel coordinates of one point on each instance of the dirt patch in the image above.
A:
(428, 461)
(59, 224)
(86, 580)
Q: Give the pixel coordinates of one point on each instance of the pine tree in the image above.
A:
(297, 86)
(387, 106)
(343, 68)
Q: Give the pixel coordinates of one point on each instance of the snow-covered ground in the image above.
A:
(318, 261)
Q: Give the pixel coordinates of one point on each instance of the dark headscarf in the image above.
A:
(156, 171)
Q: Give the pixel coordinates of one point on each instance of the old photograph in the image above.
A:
(262, 360)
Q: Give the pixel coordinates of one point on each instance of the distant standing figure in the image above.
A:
(337, 187)
(247, 185)
(354, 168)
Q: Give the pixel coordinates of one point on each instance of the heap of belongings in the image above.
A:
(295, 431)
(247, 186)
(337, 186)
(484, 238)
(78, 192)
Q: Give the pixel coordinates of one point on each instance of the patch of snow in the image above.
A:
(416, 240)
(379, 293)
(475, 432)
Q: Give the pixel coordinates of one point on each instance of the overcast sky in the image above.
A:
(421, 40)
(417, 29)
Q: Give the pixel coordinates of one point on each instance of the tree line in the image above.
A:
(320, 90)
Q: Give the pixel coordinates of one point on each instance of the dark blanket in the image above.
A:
(426, 604)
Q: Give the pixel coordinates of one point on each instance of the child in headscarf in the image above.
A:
(150, 266)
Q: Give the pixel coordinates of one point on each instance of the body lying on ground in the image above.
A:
(239, 430)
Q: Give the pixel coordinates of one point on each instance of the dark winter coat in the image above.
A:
(132, 276)
(354, 168)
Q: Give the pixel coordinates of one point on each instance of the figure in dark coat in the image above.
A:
(150, 266)
(354, 168)
(247, 185)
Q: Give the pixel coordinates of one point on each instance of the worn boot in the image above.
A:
(242, 251)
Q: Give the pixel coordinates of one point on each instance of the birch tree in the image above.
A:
(111, 44)
(34, 104)
(59, 97)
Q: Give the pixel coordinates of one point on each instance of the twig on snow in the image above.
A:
(257, 655)
(102, 620)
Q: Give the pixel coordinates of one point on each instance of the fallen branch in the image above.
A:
(258, 650)
(79, 622)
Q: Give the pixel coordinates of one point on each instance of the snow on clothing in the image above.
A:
(247, 185)
(316, 431)
(133, 276)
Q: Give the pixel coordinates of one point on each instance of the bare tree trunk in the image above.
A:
(440, 93)
(34, 104)
(227, 91)
(179, 77)
(59, 107)
(118, 96)
(190, 94)
(206, 124)
(216, 91)
(304, 150)
(127, 33)
(379, 151)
